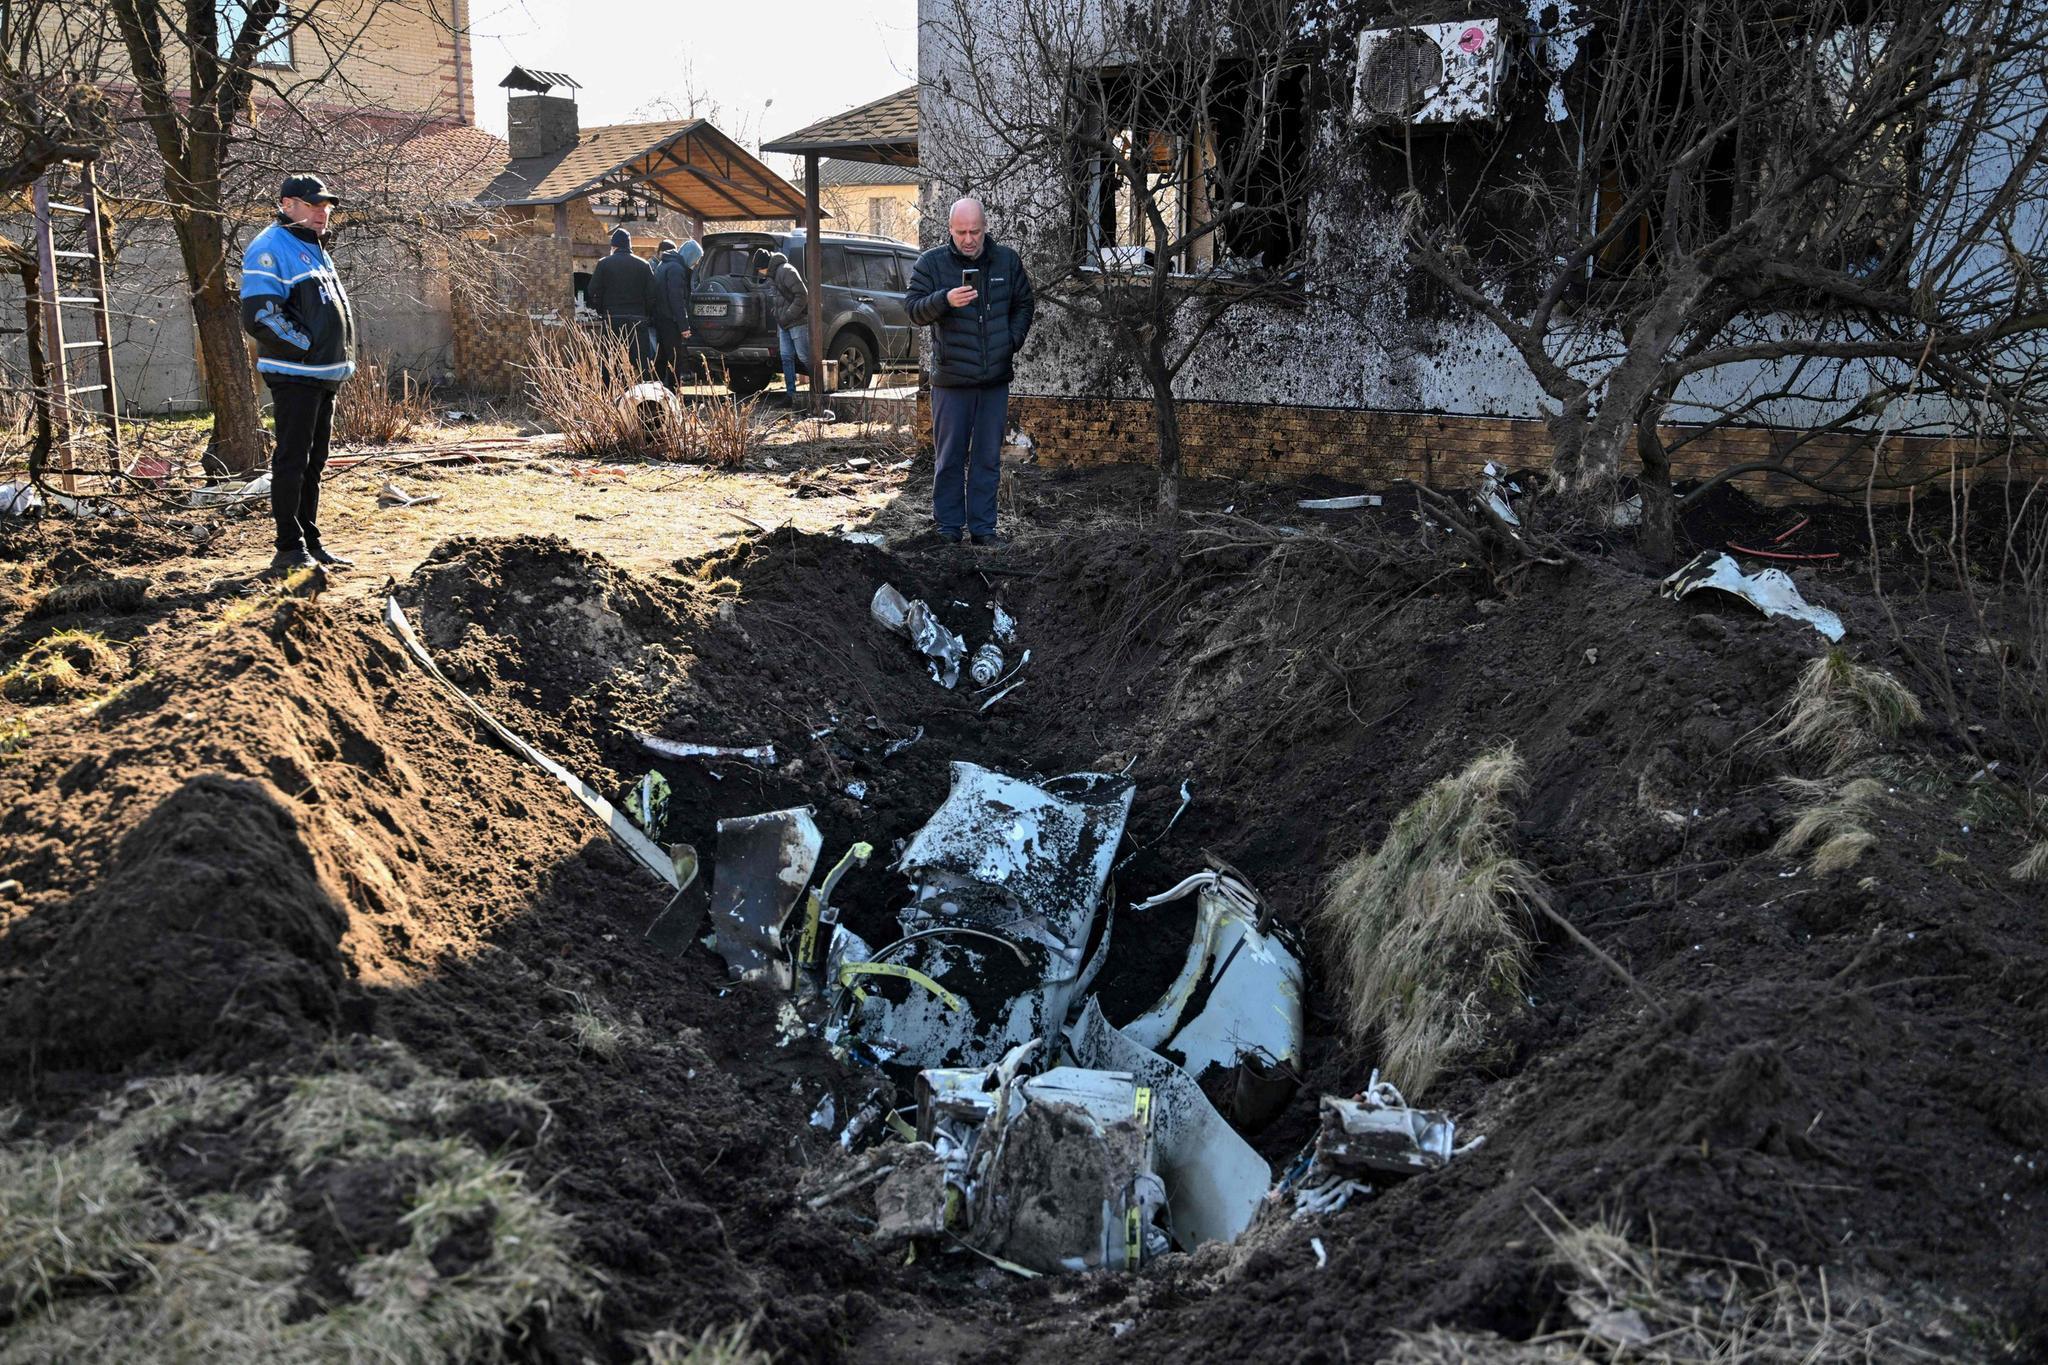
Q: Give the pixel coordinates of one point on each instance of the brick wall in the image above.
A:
(524, 283)
(1285, 444)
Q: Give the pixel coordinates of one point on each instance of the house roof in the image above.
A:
(883, 130)
(458, 161)
(833, 172)
(687, 164)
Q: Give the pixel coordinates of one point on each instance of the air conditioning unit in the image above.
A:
(1429, 73)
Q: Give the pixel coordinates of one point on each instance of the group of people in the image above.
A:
(636, 299)
(972, 292)
(647, 305)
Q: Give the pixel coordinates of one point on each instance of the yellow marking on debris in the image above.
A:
(901, 972)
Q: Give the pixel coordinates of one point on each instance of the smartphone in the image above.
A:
(971, 277)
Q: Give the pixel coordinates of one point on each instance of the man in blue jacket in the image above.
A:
(974, 295)
(295, 307)
(673, 267)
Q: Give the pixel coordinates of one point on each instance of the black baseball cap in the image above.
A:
(310, 188)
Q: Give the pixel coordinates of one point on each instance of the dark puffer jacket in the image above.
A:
(621, 286)
(792, 297)
(972, 347)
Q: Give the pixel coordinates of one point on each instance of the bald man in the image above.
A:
(974, 295)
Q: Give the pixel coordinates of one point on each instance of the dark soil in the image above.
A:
(1842, 1071)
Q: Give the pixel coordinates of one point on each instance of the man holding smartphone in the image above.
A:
(974, 295)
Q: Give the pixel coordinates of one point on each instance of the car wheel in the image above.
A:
(856, 361)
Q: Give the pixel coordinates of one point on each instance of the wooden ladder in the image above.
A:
(67, 415)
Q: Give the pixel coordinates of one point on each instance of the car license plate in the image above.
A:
(710, 310)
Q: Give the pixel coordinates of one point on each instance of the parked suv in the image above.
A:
(866, 325)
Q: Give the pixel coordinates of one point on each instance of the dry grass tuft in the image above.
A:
(92, 594)
(63, 664)
(100, 1260)
(1831, 822)
(579, 379)
(1426, 934)
(1840, 710)
(733, 1346)
(1650, 1306)
(2033, 864)
(373, 410)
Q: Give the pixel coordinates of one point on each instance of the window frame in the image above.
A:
(230, 15)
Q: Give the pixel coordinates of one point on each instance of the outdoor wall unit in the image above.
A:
(1429, 73)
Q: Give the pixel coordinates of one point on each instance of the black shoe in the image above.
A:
(321, 555)
(990, 538)
(286, 562)
(950, 537)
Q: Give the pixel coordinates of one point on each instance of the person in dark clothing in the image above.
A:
(792, 321)
(621, 290)
(974, 295)
(673, 278)
(295, 307)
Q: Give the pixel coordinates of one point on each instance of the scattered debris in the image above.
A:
(764, 863)
(19, 497)
(857, 790)
(897, 746)
(1374, 1133)
(648, 803)
(1347, 504)
(1235, 1007)
(1493, 490)
(915, 622)
(987, 664)
(875, 538)
(391, 495)
(677, 924)
(1004, 625)
(1770, 591)
(1215, 1182)
(761, 754)
(1004, 693)
(1003, 862)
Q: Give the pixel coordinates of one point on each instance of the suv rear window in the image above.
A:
(734, 259)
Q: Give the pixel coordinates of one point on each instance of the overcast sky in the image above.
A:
(768, 68)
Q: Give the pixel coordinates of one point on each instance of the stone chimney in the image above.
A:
(540, 124)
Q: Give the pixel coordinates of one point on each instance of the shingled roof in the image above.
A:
(833, 172)
(687, 164)
(883, 130)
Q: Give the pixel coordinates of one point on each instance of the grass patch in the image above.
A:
(734, 1346)
(92, 594)
(99, 1259)
(1839, 711)
(1652, 1306)
(1831, 822)
(1426, 935)
(62, 665)
(2033, 864)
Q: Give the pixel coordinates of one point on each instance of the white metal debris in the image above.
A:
(914, 620)
(764, 863)
(1248, 984)
(1347, 504)
(1770, 591)
(1214, 1180)
(762, 754)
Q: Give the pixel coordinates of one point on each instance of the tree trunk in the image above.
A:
(1595, 461)
(217, 316)
(1166, 425)
(1658, 537)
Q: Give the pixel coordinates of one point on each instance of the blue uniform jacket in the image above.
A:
(295, 307)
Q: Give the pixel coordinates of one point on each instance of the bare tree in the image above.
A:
(203, 73)
(1161, 149)
(1829, 216)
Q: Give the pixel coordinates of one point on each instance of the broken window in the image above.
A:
(275, 49)
(1224, 177)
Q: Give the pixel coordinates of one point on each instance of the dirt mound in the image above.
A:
(215, 866)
